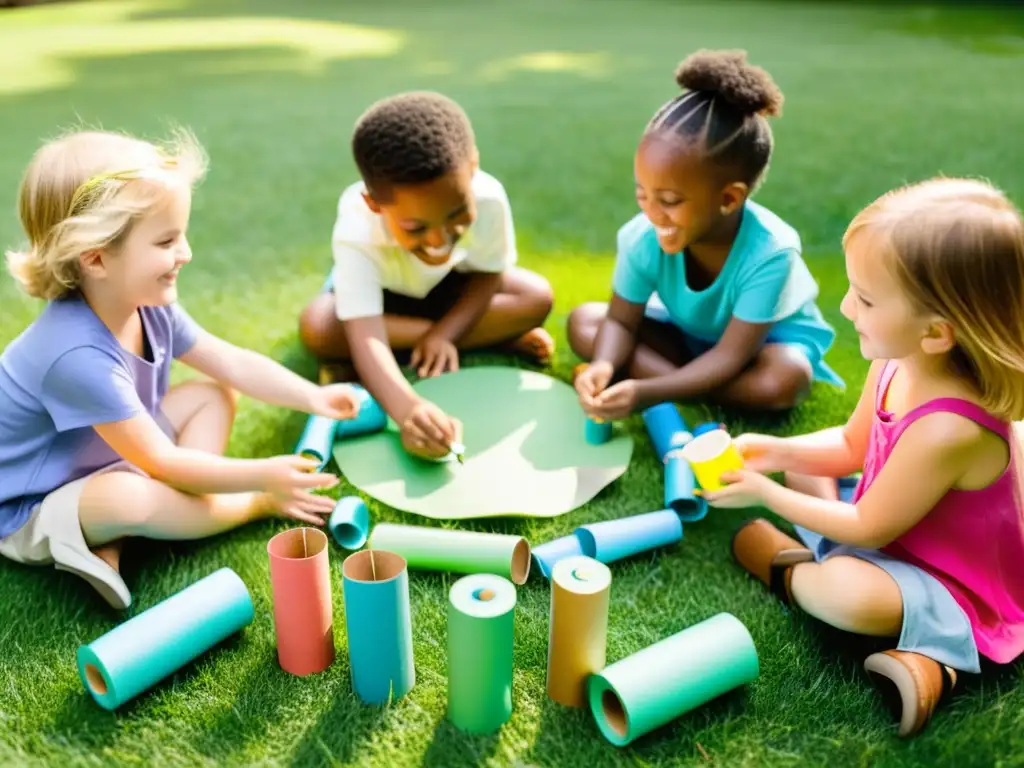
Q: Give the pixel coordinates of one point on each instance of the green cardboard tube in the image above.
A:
(437, 549)
(672, 677)
(136, 655)
(481, 630)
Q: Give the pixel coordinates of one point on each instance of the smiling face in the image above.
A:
(681, 192)
(429, 218)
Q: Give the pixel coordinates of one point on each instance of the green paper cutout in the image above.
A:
(526, 452)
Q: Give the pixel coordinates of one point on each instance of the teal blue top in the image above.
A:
(764, 280)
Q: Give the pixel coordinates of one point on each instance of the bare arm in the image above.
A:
(377, 367)
(250, 373)
(470, 307)
(616, 338)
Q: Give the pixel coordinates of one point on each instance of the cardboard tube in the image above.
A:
(710, 456)
(437, 549)
(370, 418)
(142, 651)
(300, 580)
(665, 680)
(549, 553)
(613, 540)
(349, 522)
(578, 629)
(481, 633)
(679, 489)
(317, 439)
(597, 431)
(379, 625)
(666, 428)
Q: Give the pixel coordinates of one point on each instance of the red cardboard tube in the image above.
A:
(303, 618)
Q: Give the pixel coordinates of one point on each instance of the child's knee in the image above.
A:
(539, 300)
(582, 326)
(318, 327)
(835, 591)
(784, 386)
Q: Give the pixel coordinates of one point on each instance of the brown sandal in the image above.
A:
(768, 554)
(912, 686)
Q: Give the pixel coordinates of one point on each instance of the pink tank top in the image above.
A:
(972, 541)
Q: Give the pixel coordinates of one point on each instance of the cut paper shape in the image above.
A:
(481, 634)
(526, 451)
(136, 655)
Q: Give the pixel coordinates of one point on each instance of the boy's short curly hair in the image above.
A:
(410, 138)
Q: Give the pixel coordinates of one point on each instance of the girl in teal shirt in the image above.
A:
(711, 296)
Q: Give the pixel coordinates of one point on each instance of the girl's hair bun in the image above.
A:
(727, 74)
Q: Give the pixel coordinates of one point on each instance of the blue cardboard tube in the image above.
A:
(317, 439)
(666, 428)
(349, 523)
(379, 625)
(613, 540)
(679, 490)
(133, 657)
(370, 418)
(598, 432)
(549, 553)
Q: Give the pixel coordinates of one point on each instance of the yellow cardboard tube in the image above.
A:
(711, 455)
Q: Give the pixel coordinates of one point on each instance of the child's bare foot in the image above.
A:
(111, 554)
(535, 344)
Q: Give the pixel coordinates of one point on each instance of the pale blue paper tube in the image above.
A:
(679, 490)
(379, 625)
(546, 555)
(371, 417)
(317, 439)
(142, 651)
(613, 540)
(349, 523)
(666, 428)
(598, 432)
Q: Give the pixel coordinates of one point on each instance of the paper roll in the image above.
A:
(481, 632)
(317, 439)
(379, 625)
(300, 581)
(665, 680)
(707, 426)
(597, 431)
(578, 629)
(437, 549)
(666, 428)
(349, 522)
(711, 455)
(370, 418)
(613, 540)
(142, 651)
(679, 489)
(549, 553)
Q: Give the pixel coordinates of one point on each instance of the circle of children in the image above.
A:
(710, 299)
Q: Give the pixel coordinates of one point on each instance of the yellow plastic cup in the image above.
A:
(711, 455)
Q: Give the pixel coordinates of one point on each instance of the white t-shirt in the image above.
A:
(367, 260)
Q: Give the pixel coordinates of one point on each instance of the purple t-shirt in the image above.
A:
(63, 374)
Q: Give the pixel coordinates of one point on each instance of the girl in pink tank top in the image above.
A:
(929, 548)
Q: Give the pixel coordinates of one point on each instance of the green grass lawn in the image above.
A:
(877, 95)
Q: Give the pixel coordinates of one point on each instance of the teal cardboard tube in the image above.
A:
(645, 691)
(679, 490)
(317, 439)
(546, 555)
(349, 523)
(133, 657)
(370, 418)
(481, 635)
(379, 625)
(597, 432)
(613, 540)
(666, 428)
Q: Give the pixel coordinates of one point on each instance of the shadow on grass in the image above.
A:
(451, 747)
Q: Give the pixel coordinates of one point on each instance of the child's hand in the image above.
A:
(336, 401)
(760, 453)
(428, 432)
(616, 402)
(745, 488)
(433, 355)
(287, 480)
(592, 381)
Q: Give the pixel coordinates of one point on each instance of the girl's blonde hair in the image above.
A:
(84, 191)
(956, 247)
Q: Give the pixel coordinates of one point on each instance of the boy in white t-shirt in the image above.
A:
(425, 261)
